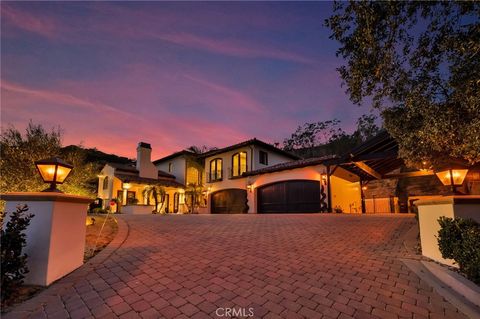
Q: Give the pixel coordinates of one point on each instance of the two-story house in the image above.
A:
(257, 177)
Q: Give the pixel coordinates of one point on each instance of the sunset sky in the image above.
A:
(112, 74)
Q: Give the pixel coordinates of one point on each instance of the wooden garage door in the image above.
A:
(298, 196)
(230, 201)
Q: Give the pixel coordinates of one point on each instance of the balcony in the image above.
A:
(211, 178)
(234, 175)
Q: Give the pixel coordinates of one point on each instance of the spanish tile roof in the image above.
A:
(133, 169)
(176, 154)
(149, 181)
(253, 141)
(291, 165)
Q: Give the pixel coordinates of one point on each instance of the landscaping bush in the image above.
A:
(13, 261)
(459, 239)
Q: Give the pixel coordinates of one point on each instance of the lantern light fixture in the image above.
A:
(452, 177)
(53, 170)
(126, 185)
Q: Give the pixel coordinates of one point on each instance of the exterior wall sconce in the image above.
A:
(250, 187)
(126, 185)
(54, 171)
(364, 188)
(452, 177)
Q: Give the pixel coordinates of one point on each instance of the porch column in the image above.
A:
(124, 197)
(362, 196)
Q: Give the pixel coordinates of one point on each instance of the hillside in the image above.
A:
(92, 155)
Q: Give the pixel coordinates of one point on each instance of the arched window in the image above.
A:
(216, 169)
(105, 183)
(239, 164)
(170, 167)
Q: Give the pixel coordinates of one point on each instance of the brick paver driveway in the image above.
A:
(288, 266)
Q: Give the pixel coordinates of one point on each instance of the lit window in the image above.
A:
(239, 164)
(263, 158)
(216, 169)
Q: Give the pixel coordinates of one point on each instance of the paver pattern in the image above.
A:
(281, 266)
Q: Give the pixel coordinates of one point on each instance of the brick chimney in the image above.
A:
(145, 166)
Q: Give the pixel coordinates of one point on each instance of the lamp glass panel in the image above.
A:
(47, 171)
(62, 173)
(457, 174)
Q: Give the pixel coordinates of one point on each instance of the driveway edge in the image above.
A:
(53, 292)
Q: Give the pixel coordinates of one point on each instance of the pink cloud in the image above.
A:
(229, 47)
(21, 19)
(100, 125)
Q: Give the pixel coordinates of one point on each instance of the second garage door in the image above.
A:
(229, 201)
(298, 196)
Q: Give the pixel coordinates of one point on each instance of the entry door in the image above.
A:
(298, 196)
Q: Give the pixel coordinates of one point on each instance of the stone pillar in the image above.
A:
(430, 210)
(55, 236)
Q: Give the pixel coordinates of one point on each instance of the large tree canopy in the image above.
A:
(419, 62)
(20, 151)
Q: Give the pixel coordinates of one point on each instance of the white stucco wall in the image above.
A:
(178, 169)
(273, 158)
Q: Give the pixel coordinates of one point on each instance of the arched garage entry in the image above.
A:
(294, 196)
(229, 201)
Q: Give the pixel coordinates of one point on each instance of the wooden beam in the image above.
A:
(364, 167)
(373, 156)
(410, 174)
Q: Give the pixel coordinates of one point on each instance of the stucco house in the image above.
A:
(127, 189)
(257, 177)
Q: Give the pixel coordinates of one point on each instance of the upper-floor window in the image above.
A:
(193, 176)
(105, 183)
(263, 157)
(216, 169)
(170, 167)
(239, 164)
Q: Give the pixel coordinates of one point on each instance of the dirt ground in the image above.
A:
(99, 234)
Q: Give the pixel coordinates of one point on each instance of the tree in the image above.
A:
(366, 128)
(325, 138)
(419, 62)
(193, 195)
(158, 194)
(313, 134)
(19, 153)
(200, 149)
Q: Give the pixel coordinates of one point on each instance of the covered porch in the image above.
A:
(139, 195)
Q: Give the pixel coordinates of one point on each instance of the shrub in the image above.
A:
(13, 261)
(459, 239)
(338, 209)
